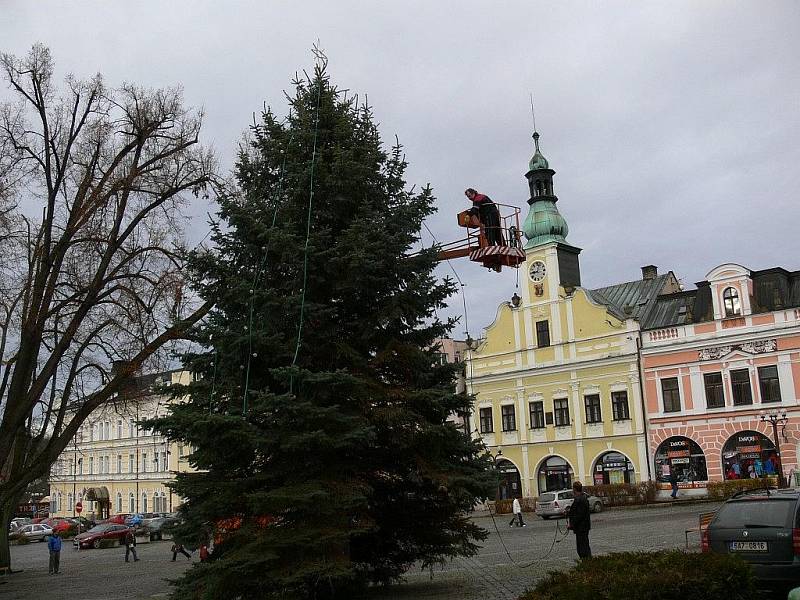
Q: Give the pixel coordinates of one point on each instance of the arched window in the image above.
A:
(748, 455)
(144, 502)
(730, 298)
(131, 503)
(510, 485)
(69, 501)
(554, 474)
(613, 467)
(119, 502)
(684, 457)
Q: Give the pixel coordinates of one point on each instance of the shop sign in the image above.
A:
(680, 461)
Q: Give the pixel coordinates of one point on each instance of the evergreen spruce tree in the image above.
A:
(319, 423)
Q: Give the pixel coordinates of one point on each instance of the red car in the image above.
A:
(118, 519)
(98, 533)
(58, 525)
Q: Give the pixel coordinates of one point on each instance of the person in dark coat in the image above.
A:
(487, 212)
(176, 548)
(673, 481)
(130, 546)
(580, 521)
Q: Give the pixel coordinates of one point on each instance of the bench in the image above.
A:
(703, 521)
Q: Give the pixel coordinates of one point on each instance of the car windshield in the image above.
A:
(547, 497)
(756, 513)
(100, 528)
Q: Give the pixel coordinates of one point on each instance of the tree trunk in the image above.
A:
(7, 506)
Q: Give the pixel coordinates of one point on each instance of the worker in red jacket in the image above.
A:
(486, 211)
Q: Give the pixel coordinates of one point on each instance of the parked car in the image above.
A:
(58, 525)
(34, 532)
(763, 528)
(138, 518)
(85, 524)
(118, 519)
(98, 533)
(554, 504)
(18, 522)
(158, 526)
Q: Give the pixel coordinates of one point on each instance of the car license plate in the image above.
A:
(749, 546)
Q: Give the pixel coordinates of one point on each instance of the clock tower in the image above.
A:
(550, 262)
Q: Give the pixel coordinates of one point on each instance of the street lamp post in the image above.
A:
(774, 418)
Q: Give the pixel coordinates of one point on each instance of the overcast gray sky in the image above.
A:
(673, 126)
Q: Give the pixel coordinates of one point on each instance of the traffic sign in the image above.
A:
(79, 507)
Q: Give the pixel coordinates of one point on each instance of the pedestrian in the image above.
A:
(487, 212)
(517, 512)
(54, 547)
(179, 548)
(130, 546)
(673, 481)
(580, 521)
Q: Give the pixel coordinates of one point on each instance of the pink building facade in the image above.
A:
(713, 360)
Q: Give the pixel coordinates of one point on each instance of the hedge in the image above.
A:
(616, 494)
(665, 575)
(722, 490)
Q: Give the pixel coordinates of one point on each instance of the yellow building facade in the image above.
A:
(556, 377)
(113, 466)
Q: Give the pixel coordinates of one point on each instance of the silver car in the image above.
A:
(34, 533)
(554, 504)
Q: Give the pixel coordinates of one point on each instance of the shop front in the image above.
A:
(683, 457)
(555, 473)
(749, 455)
(510, 485)
(613, 467)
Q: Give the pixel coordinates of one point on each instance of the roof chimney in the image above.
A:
(649, 272)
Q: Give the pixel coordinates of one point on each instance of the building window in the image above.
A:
(119, 428)
(537, 414)
(561, 412)
(487, 426)
(131, 503)
(131, 463)
(144, 463)
(715, 392)
(542, 334)
(119, 502)
(155, 462)
(91, 465)
(144, 502)
(730, 298)
(769, 384)
(164, 463)
(509, 417)
(742, 392)
(131, 428)
(619, 406)
(592, 404)
(80, 466)
(70, 499)
(671, 394)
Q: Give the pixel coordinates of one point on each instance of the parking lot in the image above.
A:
(102, 574)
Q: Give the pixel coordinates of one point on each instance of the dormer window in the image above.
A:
(730, 300)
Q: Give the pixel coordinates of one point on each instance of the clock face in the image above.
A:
(538, 271)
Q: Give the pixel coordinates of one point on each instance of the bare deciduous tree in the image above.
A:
(92, 182)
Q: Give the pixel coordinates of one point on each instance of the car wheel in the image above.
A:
(545, 517)
(598, 506)
(96, 544)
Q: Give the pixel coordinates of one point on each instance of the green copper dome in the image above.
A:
(544, 224)
(538, 161)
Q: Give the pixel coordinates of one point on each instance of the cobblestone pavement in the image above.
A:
(103, 574)
(93, 574)
(492, 574)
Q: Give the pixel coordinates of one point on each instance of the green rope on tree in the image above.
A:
(259, 271)
(308, 226)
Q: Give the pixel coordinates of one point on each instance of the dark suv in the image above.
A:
(763, 527)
